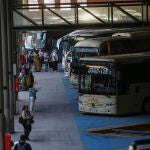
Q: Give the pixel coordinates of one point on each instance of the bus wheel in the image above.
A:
(146, 105)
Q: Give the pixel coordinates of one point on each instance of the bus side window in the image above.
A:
(108, 47)
(114, 47)
(142, 44)
(123, 82)
(118, 75)
(118, 47)
(103, 49)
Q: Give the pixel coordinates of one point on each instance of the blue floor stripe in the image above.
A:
(100, 142)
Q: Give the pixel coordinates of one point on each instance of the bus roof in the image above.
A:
(132, 34)
(96, 42)
(89, 32)
(123, 58)
(86, 33)
(97, 32)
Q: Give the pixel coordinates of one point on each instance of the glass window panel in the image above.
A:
(98, 78)
(19, 21)
(33, 2)
(52, 2)
(50, 18)
(85, 17)
(100, 12)
(82, 1)
(49, 1)
(120, 16)
(35, 16)
(65, 7)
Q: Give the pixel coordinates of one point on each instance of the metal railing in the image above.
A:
(73, 15)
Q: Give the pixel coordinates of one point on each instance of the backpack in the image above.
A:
(28, 81)
(22, 147)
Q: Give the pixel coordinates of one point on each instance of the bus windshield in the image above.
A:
(84, 52)
(97, 78)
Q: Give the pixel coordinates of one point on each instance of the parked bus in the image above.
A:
(67, 42)
(115, 84)
(121, 44)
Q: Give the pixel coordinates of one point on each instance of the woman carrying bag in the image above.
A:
(27, 121)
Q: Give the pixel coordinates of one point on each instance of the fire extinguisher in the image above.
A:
(17, 85)
(7, 139)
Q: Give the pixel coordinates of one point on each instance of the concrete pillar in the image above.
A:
(1, 94)
(4, 41)
(10, 63)
(15, 63)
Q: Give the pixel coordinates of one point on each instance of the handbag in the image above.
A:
(22, 121)
(31, 121)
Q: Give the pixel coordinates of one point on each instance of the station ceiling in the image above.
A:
(102, 13)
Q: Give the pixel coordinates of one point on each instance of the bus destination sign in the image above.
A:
(98, 70)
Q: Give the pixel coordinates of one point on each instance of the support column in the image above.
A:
(1, 94)
(10, 64)
(4, 41)
(14, 61)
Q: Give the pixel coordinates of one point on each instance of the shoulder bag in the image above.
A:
(22, 121)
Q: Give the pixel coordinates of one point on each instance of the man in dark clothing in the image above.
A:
(54, 57)
(22, 145)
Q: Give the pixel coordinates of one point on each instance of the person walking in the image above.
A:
(28, 120)
(37, 64)
(46, 60)
(32, 97)
(26, 58)
(54, 57)
(31, 61)
(22, 144)
(41, 57)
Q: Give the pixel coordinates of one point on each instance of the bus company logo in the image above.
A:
(99, 70)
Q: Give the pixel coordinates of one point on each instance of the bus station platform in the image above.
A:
(59, 125)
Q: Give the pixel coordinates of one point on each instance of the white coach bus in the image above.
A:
(120, 43)
(115, 84)
(67, 42)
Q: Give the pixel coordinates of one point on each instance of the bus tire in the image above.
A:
(146, 105)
